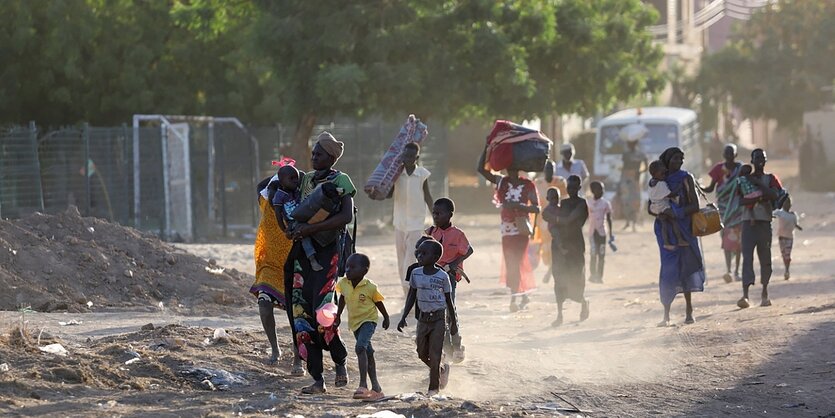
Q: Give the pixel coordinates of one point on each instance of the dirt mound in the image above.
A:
(68, 262)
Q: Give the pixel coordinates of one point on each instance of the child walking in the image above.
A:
(786, 224)
(600, 214)
(363, 300)
(660, 197)
(456, 249)
(568, 248)
(429, 286)
(286, 199)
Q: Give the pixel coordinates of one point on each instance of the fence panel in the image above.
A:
(62, 157)
(20, 183)
(110, 160)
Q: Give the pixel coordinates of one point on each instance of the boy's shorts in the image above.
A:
(363, 335)
(786, 248)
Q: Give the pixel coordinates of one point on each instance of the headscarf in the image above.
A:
(668, 154)
(331, 146)
(568, 147)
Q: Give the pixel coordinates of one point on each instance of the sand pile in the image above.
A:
(68, 262)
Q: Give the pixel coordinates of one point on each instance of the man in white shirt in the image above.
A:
(568, 166)
(411, 201)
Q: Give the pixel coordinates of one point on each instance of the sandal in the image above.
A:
(363, 393)
(373, 396)
(314, 389)
(298, 370)
(341, 380)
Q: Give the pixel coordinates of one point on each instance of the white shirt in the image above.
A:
(409, 207)
(659, 202)
(578, 168)
(598, 209)
(786, 222)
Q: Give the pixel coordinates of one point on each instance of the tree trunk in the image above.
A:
(300, 147)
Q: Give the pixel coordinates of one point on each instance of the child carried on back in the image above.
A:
(661, 198)
(290, 210)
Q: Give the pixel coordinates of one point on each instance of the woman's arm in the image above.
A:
(337, 221)
(692, 205)
(710, 187)
(484, 171)
(279, 218)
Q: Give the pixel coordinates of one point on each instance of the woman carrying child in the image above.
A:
(517, 197)
(313, 289)
(723, 178)
(681, 267)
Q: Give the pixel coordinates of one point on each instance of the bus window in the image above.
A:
(659, 138)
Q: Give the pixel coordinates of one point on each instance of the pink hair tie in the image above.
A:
(284, 161)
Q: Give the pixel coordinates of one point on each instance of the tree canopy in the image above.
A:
(299, 61)
(780, 64)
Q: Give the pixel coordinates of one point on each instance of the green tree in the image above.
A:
(103, 60)
(454, 59)
(781, 62)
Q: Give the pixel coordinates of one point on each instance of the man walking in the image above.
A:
(756, 227)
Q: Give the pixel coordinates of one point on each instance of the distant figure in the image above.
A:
(412, 200)
(569, 252)
(661, 199)
(430, 288)
(457, 248)
(362, 298)
(629, 189)
(723, 178)
(569, 166)
(786, 224)
(756, 226)
(600, 229)
(682, 270)
(517, 197)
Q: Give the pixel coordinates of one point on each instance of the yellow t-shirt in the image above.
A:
(360, 301)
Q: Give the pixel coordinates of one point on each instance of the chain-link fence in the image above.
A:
(20, 185)
(200, 189)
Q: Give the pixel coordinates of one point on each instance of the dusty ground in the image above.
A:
(775, 361)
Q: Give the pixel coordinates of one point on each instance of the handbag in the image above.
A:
(707, 220)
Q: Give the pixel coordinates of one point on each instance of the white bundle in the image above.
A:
(633, 132)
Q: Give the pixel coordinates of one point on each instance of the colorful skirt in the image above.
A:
(517, 273)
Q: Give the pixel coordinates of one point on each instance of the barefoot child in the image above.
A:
(286, 199)
(363, 300)
(429, 286)
(568, 251)
(600, 214)
(660, 198)
(786, 224)
(456, 249)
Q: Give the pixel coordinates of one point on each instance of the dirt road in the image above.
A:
(775, 361)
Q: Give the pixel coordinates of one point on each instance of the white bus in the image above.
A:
(666, 127)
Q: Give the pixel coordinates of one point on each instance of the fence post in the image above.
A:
(166, 223)
(33, 140)
(137, 173)
(223, 184)
(86, 137)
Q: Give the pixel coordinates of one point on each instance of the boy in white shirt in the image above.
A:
(600, 227)
(412, 201)
(786, 224)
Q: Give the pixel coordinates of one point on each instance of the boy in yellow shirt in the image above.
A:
(363, 300)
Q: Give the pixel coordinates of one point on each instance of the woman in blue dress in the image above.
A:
(682, 270)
